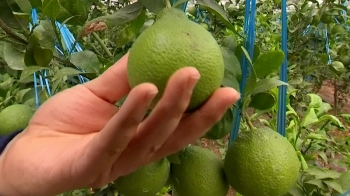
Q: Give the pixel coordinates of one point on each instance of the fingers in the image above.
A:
(198, 123)
(167, 114)
(165, 117)
(113, 84)
(116, 135)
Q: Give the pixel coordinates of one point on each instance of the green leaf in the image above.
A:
(335, 121)
(296, 190)
(344, 180)
(239, 52)
(29, 71)
(29, 54)
(213, 7)
(44, 35)
(268, 63)
(232, 69)
(24, 5)
(262, 101)
(309, 118)
(120, 17)
(315, 100)
(318, 183)
(334, 185)
(51, 8)
(252, 79)
(36, 4)
(321, 173)
(8, 7)
(42, 56)
(325, 107)
(174, 158)
(221, 128)
(66, 71)
(130, 32)
(153, 5)
(86, 60)
(75, 8)
(264, 85)
(14, 57)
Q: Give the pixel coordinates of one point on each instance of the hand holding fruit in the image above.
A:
(79, 138)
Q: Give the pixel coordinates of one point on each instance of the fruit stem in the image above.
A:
(104, 47)
(168, 4)
(249, 123)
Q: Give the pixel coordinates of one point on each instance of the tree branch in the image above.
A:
(8, 30)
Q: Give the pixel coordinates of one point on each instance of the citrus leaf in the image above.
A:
(36, 4)
(309, 118)
(334, 185)
(321, 173)
(268, 63)
(86, 60)
(29, 71)
(213, 7)
(153, 5)
(29, 54)
(262, 101)
(120, 17)
(318, 183)
(174, 158)
(42, 56)
(264, 85)
(315, 100)
(14, 57)
(24, 5)
(8, 7)
(130, 32)
(221, 128)
(75, 8)
(344, 180)
(232, 69)
(51, 8)
(66, 71)
(335, 121)
(44, 35)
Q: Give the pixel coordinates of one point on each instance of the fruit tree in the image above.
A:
(51, 45)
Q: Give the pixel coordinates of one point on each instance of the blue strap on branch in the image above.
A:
(249, 30)
(282, 91)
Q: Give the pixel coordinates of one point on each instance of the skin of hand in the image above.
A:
(79, 138)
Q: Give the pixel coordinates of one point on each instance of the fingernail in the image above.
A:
(192, 81)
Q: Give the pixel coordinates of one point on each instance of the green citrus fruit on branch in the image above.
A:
(261, 162)
(146, 181)
(200, 172)
(171, 43)
(14, 118)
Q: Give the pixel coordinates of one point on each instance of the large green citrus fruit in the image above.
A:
(146, 181)
(174, 42)
(15, 117)
(200, 172)
(261, 162)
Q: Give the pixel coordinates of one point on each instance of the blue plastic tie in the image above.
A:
(249, 30)
(282, 92)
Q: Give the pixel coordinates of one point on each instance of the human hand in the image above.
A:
(80, 138)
